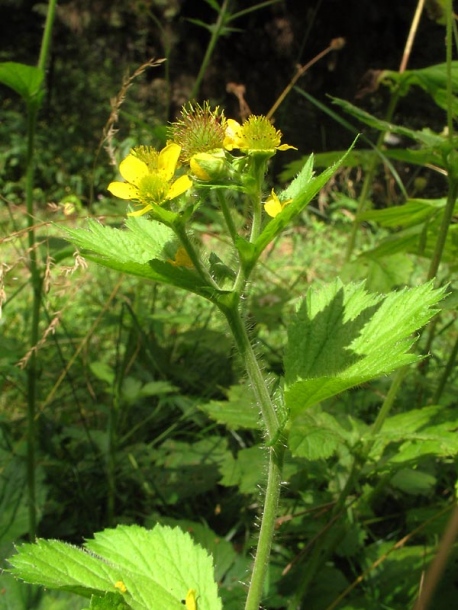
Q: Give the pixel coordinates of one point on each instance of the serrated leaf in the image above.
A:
(25, 80)
(316, 435)
(302, 180)
(305, 188)
(156, 271)
(221, 550)
(143, 240)
(237, 412)
(144, 250)
(342, 336)
(150, 568)
(247, 470)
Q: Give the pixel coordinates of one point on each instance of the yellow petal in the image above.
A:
(191, 601)
(168, 159)
(147, 208)
(231, 134)
(133, 170)
(272, 206)
(123, 190)
(285, 147)
(179, 187)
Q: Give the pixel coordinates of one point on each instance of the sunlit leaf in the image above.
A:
(342, 336)
(145, 568)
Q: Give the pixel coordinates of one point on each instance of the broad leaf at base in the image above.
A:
(143, 568)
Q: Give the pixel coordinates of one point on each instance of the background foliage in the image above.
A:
(143, 413)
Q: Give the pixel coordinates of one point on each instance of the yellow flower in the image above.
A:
(256, 135)
(273, 206)
(149, 178)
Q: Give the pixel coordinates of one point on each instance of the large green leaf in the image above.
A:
(432, 79)
(141, 242)
(144, 568)
(144, 249)
(342, 336)
(25, 80)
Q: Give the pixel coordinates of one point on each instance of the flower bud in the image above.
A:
(209, 167)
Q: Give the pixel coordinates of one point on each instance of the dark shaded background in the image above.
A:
(97, 41)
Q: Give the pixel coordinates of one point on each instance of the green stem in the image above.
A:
(259, 170)
(216, 33)
(445, 224)
(111, 458)
(450, 366)
(36, 281)
(266, 533)
(180, 231)
(452, 169)
(276, 452)
(46, 40)
(261, 392)
(227, 215)
(389, 400)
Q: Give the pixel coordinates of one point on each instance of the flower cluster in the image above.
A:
(201, 139)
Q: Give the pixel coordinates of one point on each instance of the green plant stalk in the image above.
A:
(266, 533)
(180, 232)
(46, 40)
(36, 284)
(216, 32)
(452, 169)
(449, 367)
(443, 230)
(227, 216)
(111, 457)
(389, 400)
(36, 280)
(259, 170)
(276, 451)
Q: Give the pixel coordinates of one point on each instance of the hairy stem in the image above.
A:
(276, 453)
